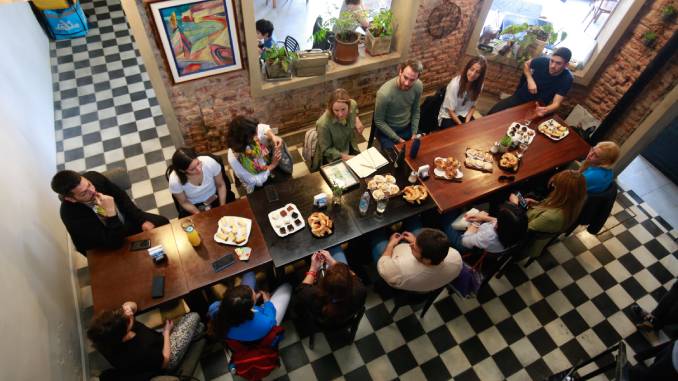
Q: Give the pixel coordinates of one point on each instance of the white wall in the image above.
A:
(39, 337)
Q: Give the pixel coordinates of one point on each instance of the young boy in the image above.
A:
(264, 34)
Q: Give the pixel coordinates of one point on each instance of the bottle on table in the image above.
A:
(191, 233)
(364, 203)
(416, 143)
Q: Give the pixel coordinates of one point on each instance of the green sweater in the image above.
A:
(335, 138)
(545, 223)
(394, 109)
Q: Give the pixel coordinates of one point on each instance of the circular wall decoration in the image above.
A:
(443, 19)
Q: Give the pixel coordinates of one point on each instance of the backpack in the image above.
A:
(309, 152)
(66, 23)
(429, 110)
(254, 361)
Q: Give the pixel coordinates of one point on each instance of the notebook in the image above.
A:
(367, 162)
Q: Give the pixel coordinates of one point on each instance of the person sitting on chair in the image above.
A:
(264, 34)
(196, 182)
(546, 80)
(597, 168)
(423, 262)
(336, 138)
(396, 108)
(462, 93)
(254, 152)
(97, 213)
(133, 348)
(492, 234)
(337, 295)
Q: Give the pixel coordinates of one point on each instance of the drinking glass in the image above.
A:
(191, 233)
(336, 195)
(381, 205)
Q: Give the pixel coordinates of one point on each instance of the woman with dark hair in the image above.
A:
(333, 298)
(133, 348)
(196, 181)
(246, 314)
(336, 130)
(254, 151)
(462, 93)
(492, 234)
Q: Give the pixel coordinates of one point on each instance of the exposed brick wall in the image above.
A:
(205, 106)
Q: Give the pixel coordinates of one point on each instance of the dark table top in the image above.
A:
(301, 244)
(121, 275)
(542, 155)
(197, 261)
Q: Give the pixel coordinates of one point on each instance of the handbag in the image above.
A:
(286, 164)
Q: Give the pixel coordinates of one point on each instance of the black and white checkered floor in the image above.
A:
(571, 304)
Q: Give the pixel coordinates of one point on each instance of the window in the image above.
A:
(590, 28)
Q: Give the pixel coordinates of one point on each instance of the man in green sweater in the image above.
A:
(396, 110)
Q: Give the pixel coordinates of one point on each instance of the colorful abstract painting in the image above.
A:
(199, 37)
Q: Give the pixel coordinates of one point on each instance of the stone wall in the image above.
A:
(204, 107)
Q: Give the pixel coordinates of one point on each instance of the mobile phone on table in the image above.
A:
(158, 286)
(223, 262)
(141, 244)
(271, 193)
(521, 200)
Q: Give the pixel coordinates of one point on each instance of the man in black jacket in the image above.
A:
(97, 213)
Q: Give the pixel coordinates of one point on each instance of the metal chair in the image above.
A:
(404, 298)
(291, 44)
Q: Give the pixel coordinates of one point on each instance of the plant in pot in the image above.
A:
(668, 13)
(649, 38)
(380, 33)
(278, 61)
(531, 39)
(345, 37)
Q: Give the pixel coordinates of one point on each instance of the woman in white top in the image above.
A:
(196, 182)
(462, 93)
(254, 151)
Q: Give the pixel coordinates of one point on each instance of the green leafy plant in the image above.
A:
(530, 35)
(506, 141)
(668, 11)
(382, 23)
(279, 55)
(649, 38)
(343, 27)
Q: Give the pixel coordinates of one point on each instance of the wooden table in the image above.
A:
(542, 155)
(197, 261)
(121, 275)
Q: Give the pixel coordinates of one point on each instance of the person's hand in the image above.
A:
(472, 228)
(277, 155)
(541, 111)
(169, 324)
(478, 217)
(327, 257)
(277, 142)
(531, 86)
(129, 308)
(531, 201)
(395, 239)
(316, 262)
(513, 199)
(265, 296)
(107, 202)
(146, 226)
(401, 140)
(346, 157)
(409, 237)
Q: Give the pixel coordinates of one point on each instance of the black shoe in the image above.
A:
(642, 318)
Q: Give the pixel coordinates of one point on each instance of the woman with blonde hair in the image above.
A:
(335, 127)
(597, 168)
(557, 212)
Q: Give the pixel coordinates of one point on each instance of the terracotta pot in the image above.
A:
(345, 53)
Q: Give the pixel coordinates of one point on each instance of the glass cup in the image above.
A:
(381, 205)
(336, 195)
(191, 233)
(522, 147)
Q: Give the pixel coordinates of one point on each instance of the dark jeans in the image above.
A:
(386, 143)
(661, 369)
(509, 102)
(666, 312)
(449, 122)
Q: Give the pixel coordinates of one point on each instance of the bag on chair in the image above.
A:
(256, 360)
(468, 282)
(66, 23)
(310, 147)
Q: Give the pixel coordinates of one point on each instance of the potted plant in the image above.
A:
(531, 39)
(380, 33)
(649, 38)
(278, 61)
(345, 37)
(668, 13)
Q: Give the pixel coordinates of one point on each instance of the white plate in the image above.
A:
(235, 222)
(277, 223)
(441, 173)
(551, 123)
(518, 126)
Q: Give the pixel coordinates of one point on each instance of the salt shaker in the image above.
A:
(413, 177)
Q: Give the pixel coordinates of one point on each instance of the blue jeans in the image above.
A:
(338, 254)
(454, 236)
(386, 143)
(379, 238)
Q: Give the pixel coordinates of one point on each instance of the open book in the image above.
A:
(367, 162)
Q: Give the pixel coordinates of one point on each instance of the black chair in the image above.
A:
(230, 196)
(596, 210)
(405, 298)
(539, 235)
(429, 109)
(499, 262)
(291, 44)
(373, 131)
(349, 326)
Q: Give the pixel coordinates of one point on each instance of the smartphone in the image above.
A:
(271, 193)
(521, 200)
(223, 262)
(158, 286)
(141, 244)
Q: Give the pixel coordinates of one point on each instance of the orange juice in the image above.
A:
(191, 233)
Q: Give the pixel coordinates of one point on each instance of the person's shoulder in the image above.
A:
(353, 105)
(323, 121)
(419, 86)
(387, 86)
(94, 176)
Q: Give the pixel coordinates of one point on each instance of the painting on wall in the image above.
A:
(198, 37)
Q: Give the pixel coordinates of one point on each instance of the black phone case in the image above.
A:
(223, 262)
(140, 245)
(158, 286)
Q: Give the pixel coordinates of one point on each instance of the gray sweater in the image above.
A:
(394, 109)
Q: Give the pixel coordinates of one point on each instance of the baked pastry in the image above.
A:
(415, 193)
(320, 224)
(508, 160)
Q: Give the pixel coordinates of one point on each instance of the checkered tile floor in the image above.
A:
(570, 304)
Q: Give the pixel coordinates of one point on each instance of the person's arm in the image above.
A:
(87, 232)
(166, 343)
(386, 267)
(359, 127)
(312, 273)
(327, 149)
(548, 221)
(531, 84)
(248, 179)
(392, 242)
(122, 201)
(183, 201)
(555, 105)
(470, 114)
(380, 106)
(414, 121)
(221, 187)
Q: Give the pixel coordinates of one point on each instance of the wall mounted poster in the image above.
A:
(198, 37)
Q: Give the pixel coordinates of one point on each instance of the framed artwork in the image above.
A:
(199, 37)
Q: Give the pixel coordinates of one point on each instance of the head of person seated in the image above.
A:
(339, 105)
(568, 193)
(603, 154)
(72, 187)
(511, 224)
(264, 29)
(241, 133)
(108, 329)
(408, 74)
(559, 61)
(430, 247)
(185, 163)
(472, 78)
(235, 309)
(336, 288)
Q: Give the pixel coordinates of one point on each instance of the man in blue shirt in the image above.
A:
(546, 80)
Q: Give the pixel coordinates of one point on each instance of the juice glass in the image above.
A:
(191, 233)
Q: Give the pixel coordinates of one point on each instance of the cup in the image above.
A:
(381, 205)
(522, 147)
(336, 195)
(191, 233)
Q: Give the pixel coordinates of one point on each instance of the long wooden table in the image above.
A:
(542, 155)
